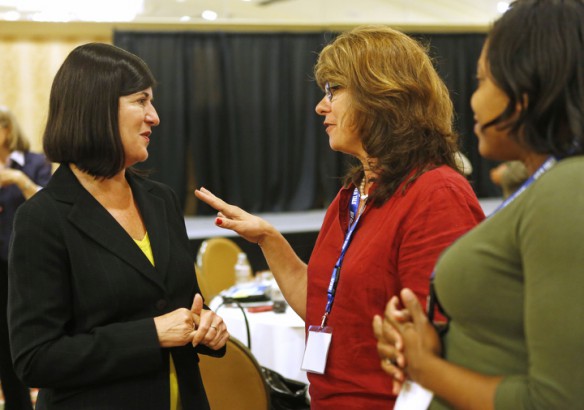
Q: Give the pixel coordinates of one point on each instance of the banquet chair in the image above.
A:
(214, 265)
(234, 381)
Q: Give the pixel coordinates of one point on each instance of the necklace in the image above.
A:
(362, 190)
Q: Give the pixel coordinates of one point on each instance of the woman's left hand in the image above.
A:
(390, 348)
(18, 178)
(10, 176)
(210, 330)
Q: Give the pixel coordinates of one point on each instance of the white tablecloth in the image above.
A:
(277, 339)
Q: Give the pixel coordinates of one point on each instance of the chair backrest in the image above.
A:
(215, 263)
(234, 381)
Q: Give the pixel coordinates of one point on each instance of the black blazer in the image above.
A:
(82, 297)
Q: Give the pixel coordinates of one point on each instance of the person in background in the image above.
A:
(514, 286)
(104, 309)
(401, 204)
(463, 164)
(509, 175)
(22, 174)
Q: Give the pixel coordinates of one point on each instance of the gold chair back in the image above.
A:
(214, 266)
(234, 381)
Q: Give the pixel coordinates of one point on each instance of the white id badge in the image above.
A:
(317, 346)
(412, 396)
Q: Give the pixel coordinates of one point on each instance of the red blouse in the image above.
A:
(394, 246)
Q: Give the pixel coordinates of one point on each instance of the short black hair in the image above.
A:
(82, 126)
(535, 54)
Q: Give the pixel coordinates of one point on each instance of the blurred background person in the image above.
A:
(401, 204)
(22, 174)
(509, 175)
(463, 164)
(104, 306)
(513, 287)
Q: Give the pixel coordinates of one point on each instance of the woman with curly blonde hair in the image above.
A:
(402, 204)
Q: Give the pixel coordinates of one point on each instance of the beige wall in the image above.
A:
(31, 54)
(28, 63)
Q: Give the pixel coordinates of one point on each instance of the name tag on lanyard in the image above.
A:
(412, 396)
(317, 347)
(320, 337)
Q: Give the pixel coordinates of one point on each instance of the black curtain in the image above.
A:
(455, 57)
(237, 115)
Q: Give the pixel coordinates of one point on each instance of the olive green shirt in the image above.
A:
(514, 289)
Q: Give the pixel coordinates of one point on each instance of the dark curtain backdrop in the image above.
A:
(237, 115)
(455, 57)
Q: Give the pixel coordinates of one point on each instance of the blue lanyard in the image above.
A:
(354, 217)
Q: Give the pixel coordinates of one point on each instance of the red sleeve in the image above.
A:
(438, 217)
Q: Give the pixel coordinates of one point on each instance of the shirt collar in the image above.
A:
(18, 157)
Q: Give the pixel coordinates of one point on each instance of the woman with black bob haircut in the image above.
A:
(83, 124)
(512, 287)
(104, 308)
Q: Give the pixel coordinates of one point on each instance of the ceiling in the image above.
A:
(269, 12)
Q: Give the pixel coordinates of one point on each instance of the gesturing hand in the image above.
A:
(248, 226)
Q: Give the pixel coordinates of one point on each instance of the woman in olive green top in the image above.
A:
(513, 287)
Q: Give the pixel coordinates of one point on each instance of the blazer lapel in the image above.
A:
(154, 212)
(94, 220)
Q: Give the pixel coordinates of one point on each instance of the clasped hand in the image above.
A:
(405, 339)
(195, 326)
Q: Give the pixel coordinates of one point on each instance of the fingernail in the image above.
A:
(218, 221)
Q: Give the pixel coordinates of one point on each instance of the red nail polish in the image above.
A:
(218, 221)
